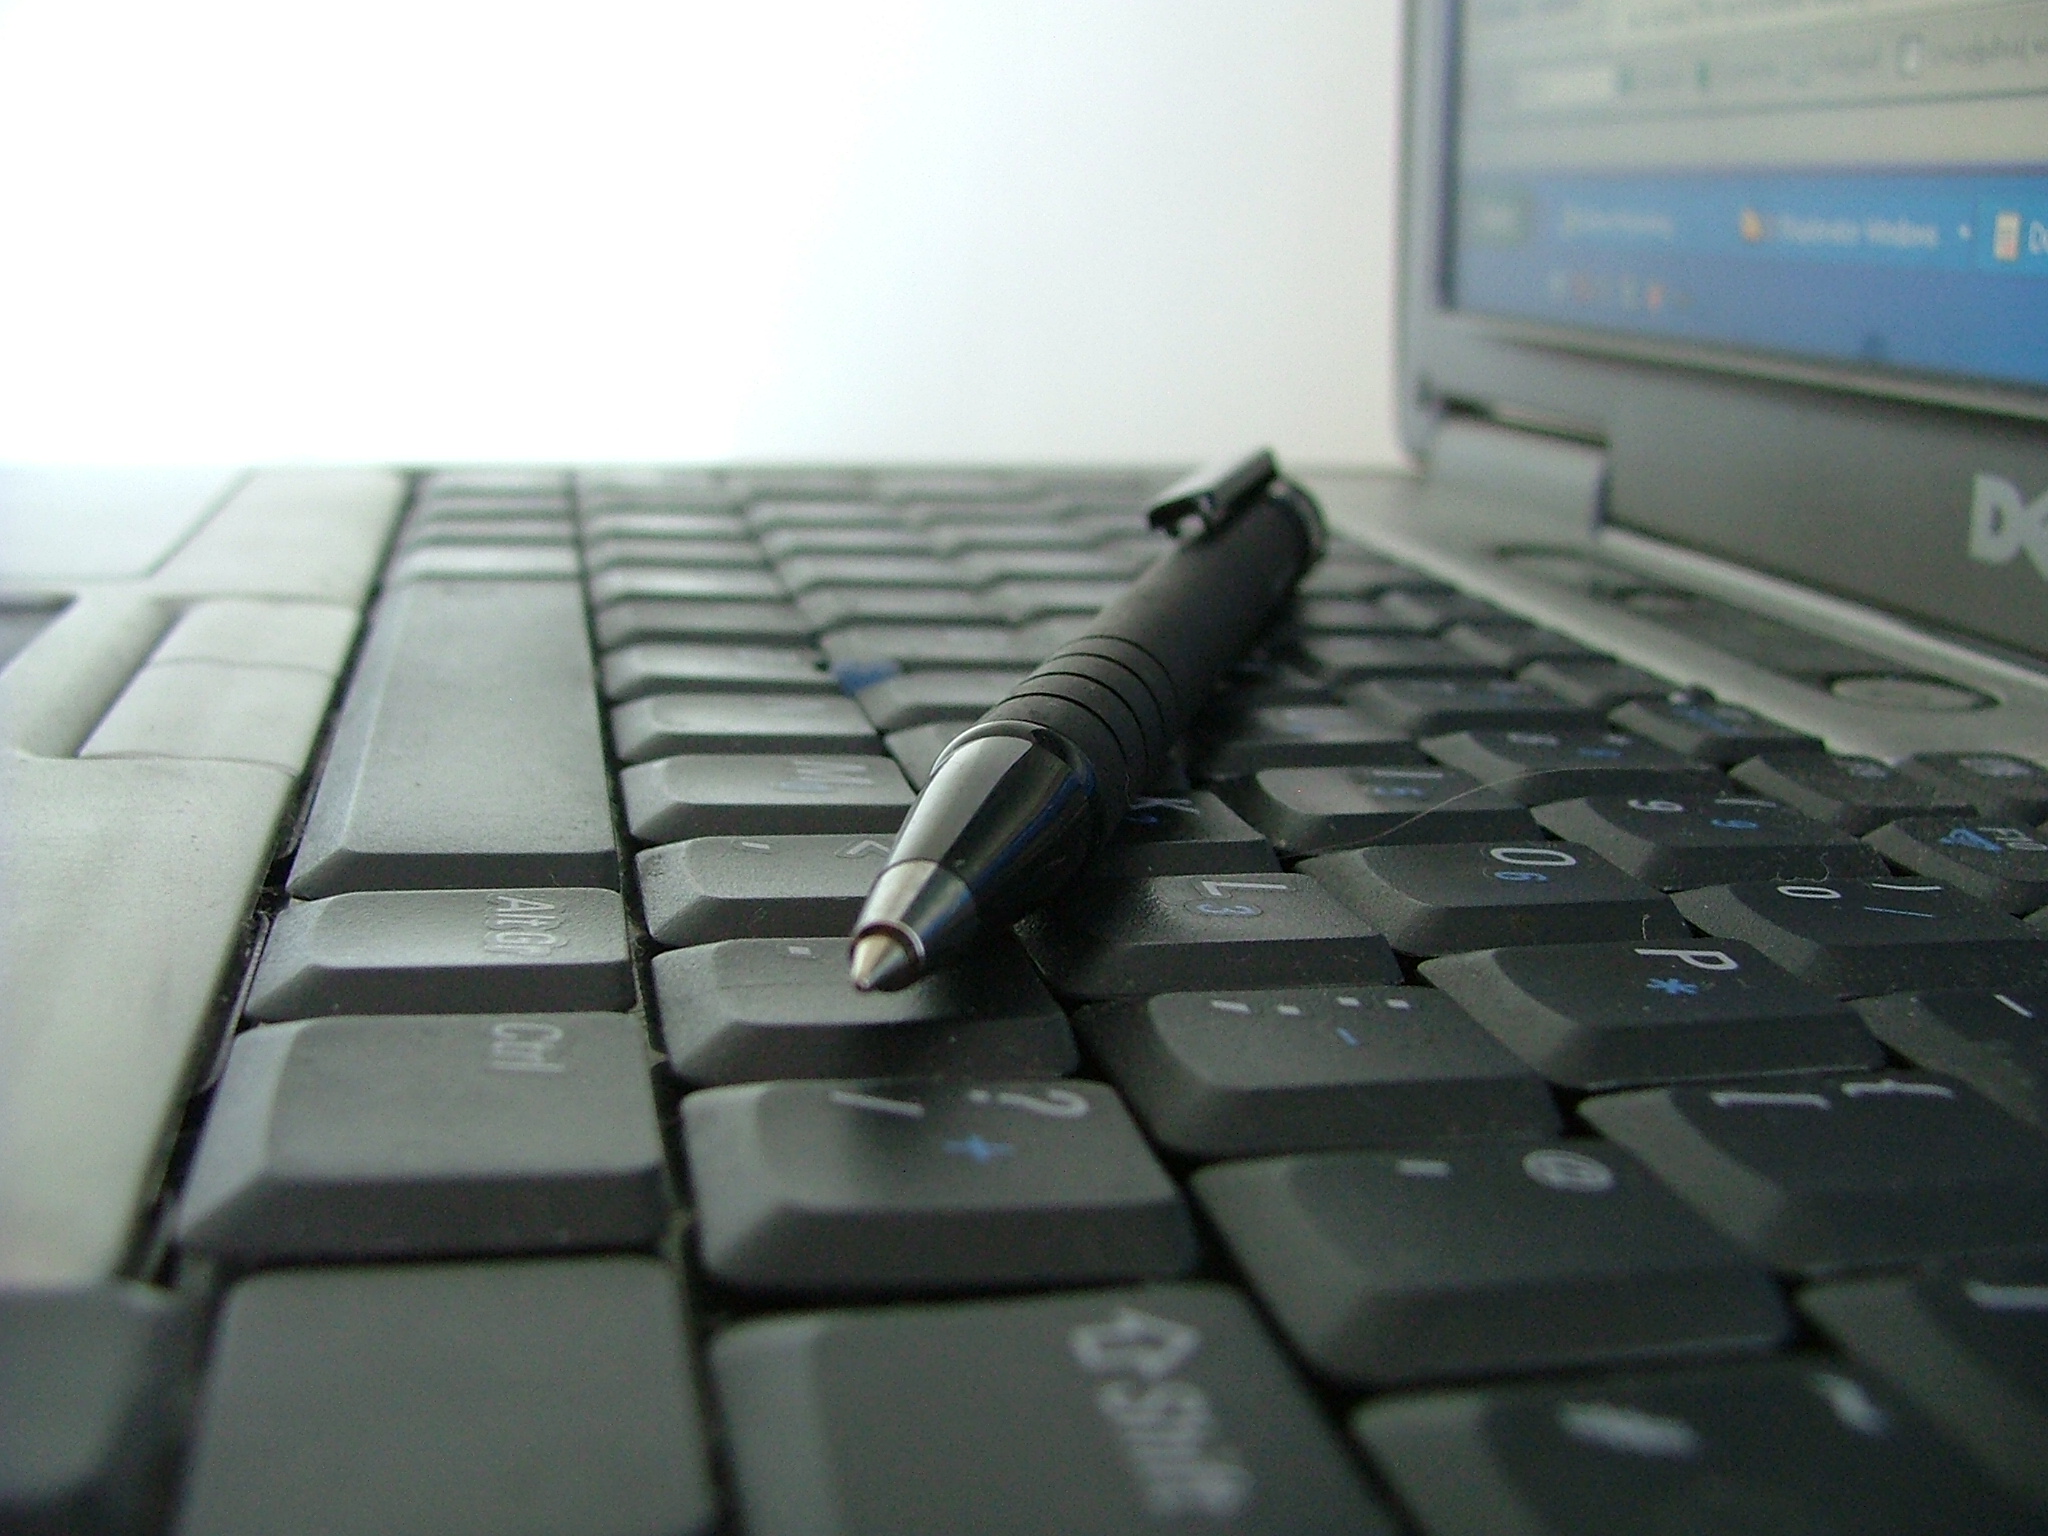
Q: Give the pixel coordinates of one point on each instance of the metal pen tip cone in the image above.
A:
(881, 964)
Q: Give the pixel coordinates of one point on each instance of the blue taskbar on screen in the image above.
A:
(1943, 272)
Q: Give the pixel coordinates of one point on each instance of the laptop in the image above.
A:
(1563, 1049)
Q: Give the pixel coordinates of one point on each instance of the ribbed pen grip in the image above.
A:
(1124, 692)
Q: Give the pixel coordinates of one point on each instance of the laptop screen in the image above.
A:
(1859, 182)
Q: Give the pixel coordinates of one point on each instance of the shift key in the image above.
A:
(468, 754)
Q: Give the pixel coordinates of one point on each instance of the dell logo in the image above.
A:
(2003, 522)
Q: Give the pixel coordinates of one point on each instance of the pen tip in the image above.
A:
(881, 964)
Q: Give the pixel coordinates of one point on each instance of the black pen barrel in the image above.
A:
(1022, 798)
(1125, 690)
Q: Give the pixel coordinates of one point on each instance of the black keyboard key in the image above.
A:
(1342, 575)
(1853, 793)
(908, 1185)
(1346, 616)
(452, 1400)
(97, 1378)
(784, 542)
(2004, 866)
(1858, 938)
(1436, 608)
(661, 667)
(829, 510)
(830, 607)
(1190, 834)
(1102, 1414)
(1438, 900)
(445, 952)
(1467, 1259)
(1179, 933)
(1686, 839)
(1797, 1447)
(1340, 659)
(1593, 684)
(928, 698)
(1105, 562)
(488, 530)
(682, 529)
(1234, 742)
(468, 752)
(749, 1010)
(641, 583)
(665, 725)
(917, 749)
(712, 888)
(510, 561)
(1996, 783)
(1996, 1041)
(1616, 1015)
(954, 537)
(1511, 644)
(1533, 767)
(388, 1138)
(1967, 1343)
(1027, 602)
(1266, 678)
(925, 647)
(1311, 810)
(742, 795)
(802, 573)
(1824, 1174)
(1706, 730)
(603, 554)
(1435, 706)
(700, 623)
(1248, 1073)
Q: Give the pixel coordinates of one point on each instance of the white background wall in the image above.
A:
(236, 230)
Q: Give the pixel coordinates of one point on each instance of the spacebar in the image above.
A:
(468, 752)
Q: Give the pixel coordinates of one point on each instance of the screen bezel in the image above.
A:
(1853, 480)
(1542, 370)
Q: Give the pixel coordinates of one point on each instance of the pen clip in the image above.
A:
(1214, 493)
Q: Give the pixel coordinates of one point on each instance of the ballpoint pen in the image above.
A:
(1021, 798)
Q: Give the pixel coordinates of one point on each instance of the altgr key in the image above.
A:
(445, 952)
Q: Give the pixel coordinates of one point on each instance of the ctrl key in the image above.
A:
(1162, 1408)
(451, 1399)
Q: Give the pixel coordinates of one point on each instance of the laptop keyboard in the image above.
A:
(1482, 1089)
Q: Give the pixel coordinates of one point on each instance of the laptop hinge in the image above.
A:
(1554, 479)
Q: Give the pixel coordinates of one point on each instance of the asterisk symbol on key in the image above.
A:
(1674, 986)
